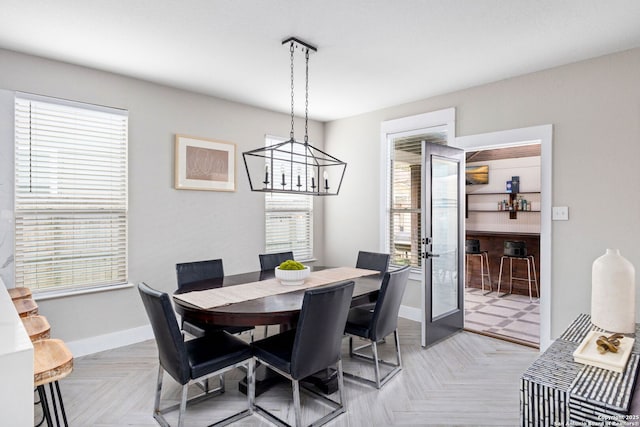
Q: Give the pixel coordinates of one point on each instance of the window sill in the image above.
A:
(61, 293)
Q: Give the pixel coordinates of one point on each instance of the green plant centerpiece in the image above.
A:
(292, 272)
(291, 265)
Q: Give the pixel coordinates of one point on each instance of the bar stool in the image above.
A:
(472, 249)
(52, 361)
(37, 327)
(26, 307)
(517, 250)
(20, 292)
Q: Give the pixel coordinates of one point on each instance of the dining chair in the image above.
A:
(271, 261)
(373, 261)
(375, 324)
(268, 262)
(314, 345)
(194, 360)
(190, 272)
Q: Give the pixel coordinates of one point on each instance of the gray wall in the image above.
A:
(594, 107)
(166, 226)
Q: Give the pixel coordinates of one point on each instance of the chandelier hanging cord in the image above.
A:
(306, 98)
(291, 49)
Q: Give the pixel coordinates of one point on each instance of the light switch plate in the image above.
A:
(560, 213)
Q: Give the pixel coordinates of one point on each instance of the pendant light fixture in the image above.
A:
(291, 166)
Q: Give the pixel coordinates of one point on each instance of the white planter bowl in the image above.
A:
(292, 277)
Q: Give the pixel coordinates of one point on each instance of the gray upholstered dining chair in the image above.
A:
(271, 261)
(194, 360)
(314, 345)
(373, 261)
(375, 324)
(190, 272)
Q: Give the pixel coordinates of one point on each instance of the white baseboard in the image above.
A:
(104, 342)
(411, 313)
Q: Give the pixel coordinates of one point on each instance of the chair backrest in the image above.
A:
(271, 261)
(171, 347)
(189, 272)
(320, 329)
(373, 261)
(385, 314)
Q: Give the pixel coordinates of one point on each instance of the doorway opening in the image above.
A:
(542, 136)
(502, 206)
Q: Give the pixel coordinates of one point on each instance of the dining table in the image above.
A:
(280, 309)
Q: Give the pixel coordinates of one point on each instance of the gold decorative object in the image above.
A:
(611, 343)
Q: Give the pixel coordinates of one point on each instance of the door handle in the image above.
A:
(429, 255)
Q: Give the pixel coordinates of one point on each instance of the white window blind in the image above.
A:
(70, 194)
(404, 204)
(288, 218)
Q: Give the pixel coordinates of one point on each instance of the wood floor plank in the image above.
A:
(466, 380)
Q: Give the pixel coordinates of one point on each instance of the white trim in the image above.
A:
(522, 136)
(61, 293)
(110, 341)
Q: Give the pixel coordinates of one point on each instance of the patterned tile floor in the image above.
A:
(512, 316)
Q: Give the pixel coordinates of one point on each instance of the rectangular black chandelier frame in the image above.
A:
(314, 170)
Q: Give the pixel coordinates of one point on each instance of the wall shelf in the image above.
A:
(512, 198)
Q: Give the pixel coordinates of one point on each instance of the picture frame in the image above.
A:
(204, 164)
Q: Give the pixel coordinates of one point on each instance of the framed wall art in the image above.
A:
(204, 164)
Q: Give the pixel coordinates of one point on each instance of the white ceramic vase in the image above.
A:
(613, 293)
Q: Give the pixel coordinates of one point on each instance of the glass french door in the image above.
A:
(442, 240)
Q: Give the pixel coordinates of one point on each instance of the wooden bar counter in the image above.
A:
(493, 242)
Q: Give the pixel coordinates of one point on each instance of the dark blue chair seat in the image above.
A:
(314, 345)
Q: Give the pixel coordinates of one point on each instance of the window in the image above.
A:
(288, 219)
(402, 190)
(405, 174)
(70, 194)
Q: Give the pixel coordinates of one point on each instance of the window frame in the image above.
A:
(67, 195)
(402, 128)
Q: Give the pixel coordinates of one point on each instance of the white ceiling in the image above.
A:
(371, 53)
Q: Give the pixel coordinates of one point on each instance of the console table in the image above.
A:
(556, 391)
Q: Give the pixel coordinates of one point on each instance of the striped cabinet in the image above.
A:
(556, 391)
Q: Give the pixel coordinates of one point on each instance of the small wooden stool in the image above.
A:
(20, 292)
(52, 362)
(26, 307)
(37, 327)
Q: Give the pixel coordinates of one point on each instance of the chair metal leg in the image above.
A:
(398, 357)
(55, 406)
(337, 408)
(510, 275)
(500, 278)
(374, 349)
(535, 275)
(183, 405)
(64, 414)
(45, 405)
(485, 256)
(296, 402)
(380, 380)
(158, 413)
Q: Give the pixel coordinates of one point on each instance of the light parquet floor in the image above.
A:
(466, 380)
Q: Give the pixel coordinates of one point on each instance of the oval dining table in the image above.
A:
(281, 309)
